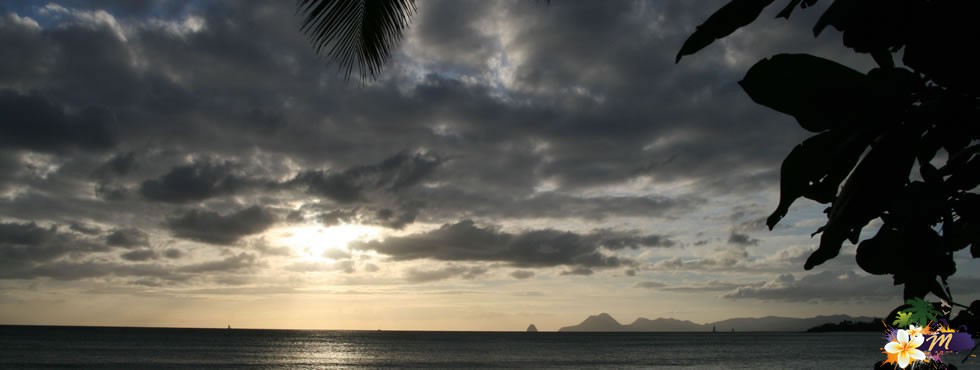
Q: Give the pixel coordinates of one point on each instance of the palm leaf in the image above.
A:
(356, 32)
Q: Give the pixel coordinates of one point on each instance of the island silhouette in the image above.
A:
(604, 322)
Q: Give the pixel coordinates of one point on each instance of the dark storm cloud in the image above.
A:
(447, 202)
(466, 241)
(386, 212)
(152, 59)
(756, 224)
(71, 60)
(336, 217)
(601, 143)
(265, 121)
(602, 146)
(139, 255)
(727, 258)
(562, 102)
(129, 237)
(111, 192)
(736, 258)
(65, 270)
(579, 150)
(612, 239)
(656, 116)
(710, 286)
(424, 276)
(72, 203)
(649, 284)
(742, 239)
(522, 274)
(173, 253)
(27, 243)
(447, 26)
(212, 178)
(828, 286)
(239, 262)
(11, 166)
(397, 218)
(442, 203)
(84, 229)
(747, 218)
(195, 182)
(583, 271)
(391, 215)
(36, 123)
(18, 33)
(212, 227)
(396, 173)
(120, 164)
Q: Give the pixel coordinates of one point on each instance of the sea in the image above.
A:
(25, 347)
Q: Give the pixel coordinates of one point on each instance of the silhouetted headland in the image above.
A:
(604, 322)
(848, 325)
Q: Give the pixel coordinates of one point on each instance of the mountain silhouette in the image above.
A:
(661, 324)
(604, 322)
(776, 323)
(600, 322)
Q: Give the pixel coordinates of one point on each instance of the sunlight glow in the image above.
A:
(320, 243)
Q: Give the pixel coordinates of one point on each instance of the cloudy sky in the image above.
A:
(196, 164)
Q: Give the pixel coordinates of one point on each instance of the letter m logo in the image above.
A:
(941, 339)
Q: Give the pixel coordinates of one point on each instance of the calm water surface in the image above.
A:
(142, 348)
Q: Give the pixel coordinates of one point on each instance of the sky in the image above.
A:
(196, 164)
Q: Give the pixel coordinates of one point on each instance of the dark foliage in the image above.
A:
(873, 129)
(356, 32)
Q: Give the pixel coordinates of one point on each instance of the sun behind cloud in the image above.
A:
(320, 243)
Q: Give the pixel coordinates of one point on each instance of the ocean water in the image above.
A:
(148, 348)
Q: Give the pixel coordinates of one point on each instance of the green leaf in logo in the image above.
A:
(922, 312)
(903, 319)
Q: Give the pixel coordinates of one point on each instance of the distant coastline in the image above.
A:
(848, 325)
(604, 322)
